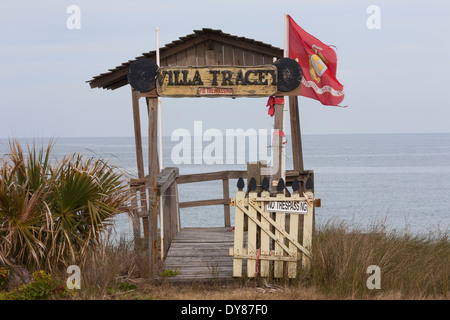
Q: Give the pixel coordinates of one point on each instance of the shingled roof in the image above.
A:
(203, 47)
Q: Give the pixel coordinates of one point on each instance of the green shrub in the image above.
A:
(55, 211)
(42, 287)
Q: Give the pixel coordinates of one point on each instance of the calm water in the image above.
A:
(400, 180)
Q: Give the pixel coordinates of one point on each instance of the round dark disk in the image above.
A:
(142, 74)
(289, 74)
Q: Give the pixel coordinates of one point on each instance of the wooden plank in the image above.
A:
(238, 234)
(297, 153)
(210, 59)
(251, 242)
(201, 203)
(163, 62)
(278, 143)
(226, 207)
(217, 81)
(166, 177)
(228, 55)
(307, 232)
(278, 265)
(293, 231)
(267, 59)
(258, 59)
(243, 44)
(200, 49)
(172, 60)
(139, 157)
(248, 58)
(218, 53)
(265, 240)
(153, 165)
(181, 58)
(238, 57)
(191, 56)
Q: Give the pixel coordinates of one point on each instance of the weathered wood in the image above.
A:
(218, 53)
(238, 234)
(153, 164)
(191, 56)
(168, 189)
(265, 240)
(226, 206)
(201, 261)
(209, 176)
(297, 154)
(307, 232)
(238, 57)
(201, 203)
(237, 81)
(252, 242)
(228, 55)
(181, 58)
(166, 177)
(139, 156)
(278, 148)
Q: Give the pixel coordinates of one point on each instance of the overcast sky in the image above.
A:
(394, 77)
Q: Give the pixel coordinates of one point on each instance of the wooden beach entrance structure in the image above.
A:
(233, 64)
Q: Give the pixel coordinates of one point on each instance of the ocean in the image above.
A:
(400, 181)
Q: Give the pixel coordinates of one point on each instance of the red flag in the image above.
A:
(318, 62)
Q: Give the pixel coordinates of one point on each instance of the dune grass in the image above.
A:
(411, 267)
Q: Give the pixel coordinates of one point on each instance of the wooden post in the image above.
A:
(297, 153)
(280, 221)
(265, 239)
(251, 236)
(307, 231)
(278, 143)
(238, 234)
(139, 157)
(226, 207)
(153, 165)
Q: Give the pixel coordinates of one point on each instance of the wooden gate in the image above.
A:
(271, 244)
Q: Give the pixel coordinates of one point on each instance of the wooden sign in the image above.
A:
(217, 81)
(300, 207)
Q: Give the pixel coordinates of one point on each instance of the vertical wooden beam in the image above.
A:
(307, 232)
(297, 153)
(251, 237)
(238, 234)
(139, 156)
(280, 220)
(226, 207)
(278, 142)
(153, 165)
(265, 239)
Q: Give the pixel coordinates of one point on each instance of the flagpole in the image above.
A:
(286, 55)
(161, 215)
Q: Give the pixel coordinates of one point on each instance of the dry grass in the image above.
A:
(412, 267)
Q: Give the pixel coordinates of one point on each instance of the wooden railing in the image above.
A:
(225, 176)
(170, 206)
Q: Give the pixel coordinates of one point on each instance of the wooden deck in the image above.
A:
(201, 254)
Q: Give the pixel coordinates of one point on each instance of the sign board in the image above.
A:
(300, 207)
(217, 81)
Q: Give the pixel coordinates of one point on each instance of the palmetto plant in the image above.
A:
(54, 212)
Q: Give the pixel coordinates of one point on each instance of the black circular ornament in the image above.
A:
(289, 74)
(142, 74)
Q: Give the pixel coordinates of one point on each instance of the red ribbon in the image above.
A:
(272, 102)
